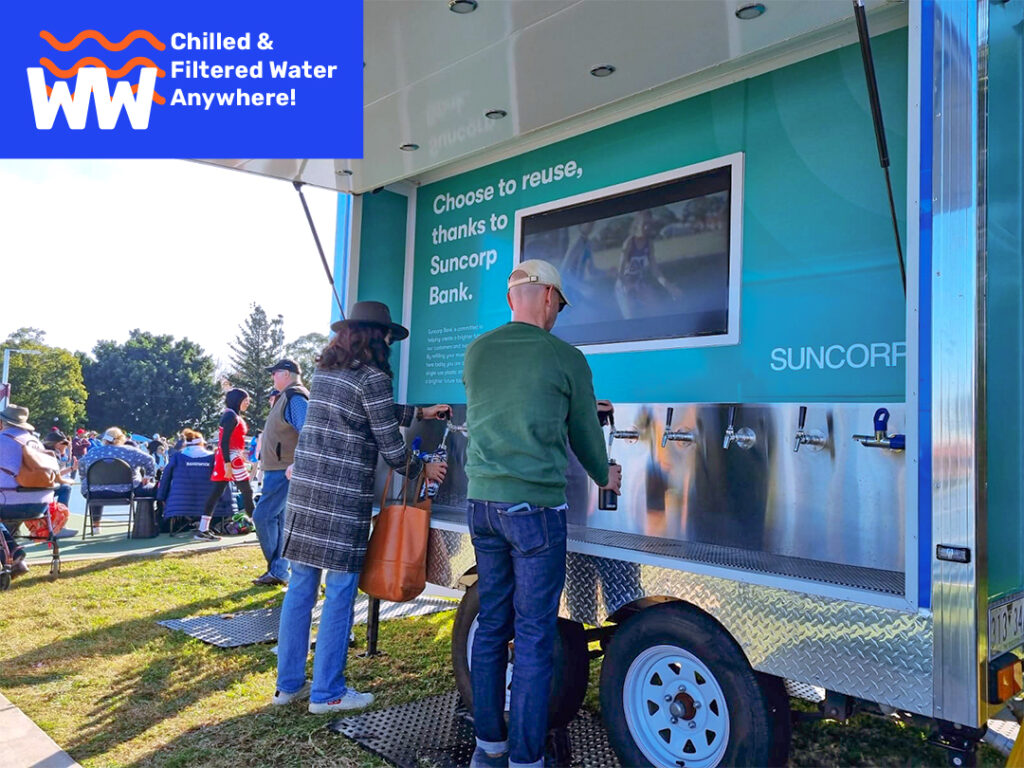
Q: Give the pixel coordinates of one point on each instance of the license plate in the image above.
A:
(1005, 625)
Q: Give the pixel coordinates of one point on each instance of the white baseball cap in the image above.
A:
(538, 272)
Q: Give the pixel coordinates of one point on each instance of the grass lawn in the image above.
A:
(84, 658)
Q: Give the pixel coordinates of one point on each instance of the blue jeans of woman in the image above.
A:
(520, 557)
(332, 636)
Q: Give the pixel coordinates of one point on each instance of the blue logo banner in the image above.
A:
(182, 80)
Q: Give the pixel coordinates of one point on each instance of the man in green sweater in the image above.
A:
(528, 394)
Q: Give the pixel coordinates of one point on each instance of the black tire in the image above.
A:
(571, 662)
(5, 581)
(777, 699)
(678, 630)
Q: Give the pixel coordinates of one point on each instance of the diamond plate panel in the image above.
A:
(875, 653)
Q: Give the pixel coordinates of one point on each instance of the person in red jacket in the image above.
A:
(229, 460)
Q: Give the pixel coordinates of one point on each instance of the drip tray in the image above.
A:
(437, 731)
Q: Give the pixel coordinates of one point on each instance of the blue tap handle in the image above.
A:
(881, 420)
(898, 442)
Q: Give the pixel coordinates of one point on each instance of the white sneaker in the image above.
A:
(95, 530)
(287, 698)
(351, 700)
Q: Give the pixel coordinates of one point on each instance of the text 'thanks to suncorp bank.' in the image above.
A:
(248, 81)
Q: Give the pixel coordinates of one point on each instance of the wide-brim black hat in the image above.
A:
(372, 313)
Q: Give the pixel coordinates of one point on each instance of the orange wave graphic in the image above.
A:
(92, 34)
(90, 61)
(135, 89)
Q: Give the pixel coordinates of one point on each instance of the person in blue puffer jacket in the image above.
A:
(185, 483)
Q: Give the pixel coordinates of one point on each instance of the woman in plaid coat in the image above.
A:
(351, 417)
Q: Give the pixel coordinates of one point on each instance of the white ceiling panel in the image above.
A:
(431, 74)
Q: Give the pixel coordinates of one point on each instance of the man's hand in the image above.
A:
(288, 471)
(604, 410)
(439, 411)
(614, 479)
(436, 471)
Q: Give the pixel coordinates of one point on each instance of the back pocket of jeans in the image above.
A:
(525, 528)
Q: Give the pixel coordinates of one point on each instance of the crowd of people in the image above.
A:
(529, 396)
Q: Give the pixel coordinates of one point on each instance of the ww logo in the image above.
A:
(91, 84)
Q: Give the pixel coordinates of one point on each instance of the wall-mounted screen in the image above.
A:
(649, 264)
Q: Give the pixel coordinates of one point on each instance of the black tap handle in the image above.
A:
(668, 418)
(732, 414)
(803, 417)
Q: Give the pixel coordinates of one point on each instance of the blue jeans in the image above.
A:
(269, 519)
(520, 557)
(332, 637)
(62, 495)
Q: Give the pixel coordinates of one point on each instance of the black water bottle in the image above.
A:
(606, 497)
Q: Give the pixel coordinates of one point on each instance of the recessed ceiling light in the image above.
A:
(602, 70)
(749, 11)
(462, 6)
(495, 114)
(410, 147)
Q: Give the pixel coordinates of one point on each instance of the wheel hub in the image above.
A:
(682, 707)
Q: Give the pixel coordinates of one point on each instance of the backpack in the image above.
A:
(39, 468)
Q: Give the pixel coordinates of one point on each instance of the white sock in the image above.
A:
(204, 523)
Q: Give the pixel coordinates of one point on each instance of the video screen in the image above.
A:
(651, 263)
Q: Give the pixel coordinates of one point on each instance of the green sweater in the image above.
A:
(526, 393)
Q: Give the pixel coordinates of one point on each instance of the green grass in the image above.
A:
(85, 659)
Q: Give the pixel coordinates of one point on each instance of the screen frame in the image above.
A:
(735, 163)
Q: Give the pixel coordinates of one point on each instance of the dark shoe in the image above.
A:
(266, 580)
(481, 759)
(205, 536)
(19, 567)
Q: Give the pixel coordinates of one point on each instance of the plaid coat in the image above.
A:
(351, 417)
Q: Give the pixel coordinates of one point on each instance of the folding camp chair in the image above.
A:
(109, 472)
(13, 513)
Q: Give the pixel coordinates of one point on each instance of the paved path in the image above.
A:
(113, 542)
(23, 744)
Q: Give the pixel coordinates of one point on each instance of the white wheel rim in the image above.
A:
(675, 709)
(469, 661)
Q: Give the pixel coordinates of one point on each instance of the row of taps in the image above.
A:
(746, 438)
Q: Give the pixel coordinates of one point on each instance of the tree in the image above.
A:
(258, 346)
(48, 384)
(152, 384)
(305, 350)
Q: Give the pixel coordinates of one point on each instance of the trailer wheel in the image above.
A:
(676, 691)
(5, 581)
(571, 662)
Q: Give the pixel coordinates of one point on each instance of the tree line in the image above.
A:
(151, 383)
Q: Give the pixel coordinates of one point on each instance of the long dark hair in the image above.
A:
(234, 398)
(357, 344)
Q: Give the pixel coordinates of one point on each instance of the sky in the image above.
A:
(99, 247)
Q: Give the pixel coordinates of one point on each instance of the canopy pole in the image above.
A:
(319, 247)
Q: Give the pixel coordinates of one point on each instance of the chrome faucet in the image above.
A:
(744, 437)
(629, 435)
(812, 437)
(681, 436)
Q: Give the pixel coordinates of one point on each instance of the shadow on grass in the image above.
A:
(177, 670)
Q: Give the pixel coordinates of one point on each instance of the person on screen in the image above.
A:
(641, 288)
(578, 264)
